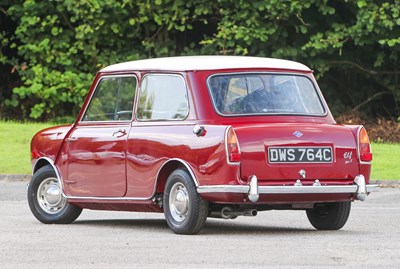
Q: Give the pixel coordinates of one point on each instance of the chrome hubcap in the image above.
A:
(49, 196)
(179, 202)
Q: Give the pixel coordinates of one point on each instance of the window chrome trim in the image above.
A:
(102, 77)
(316, 88)
(162, 123)
(162, 120)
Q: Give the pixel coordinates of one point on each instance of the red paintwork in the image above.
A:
(255, 140)
(137, 164)
(97, 158)
(47, 143)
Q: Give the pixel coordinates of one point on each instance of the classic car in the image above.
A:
(202, 136)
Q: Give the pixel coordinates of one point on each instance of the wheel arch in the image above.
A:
(42, 162)
(167, 168)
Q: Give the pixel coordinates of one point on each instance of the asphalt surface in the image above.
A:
(274, 239)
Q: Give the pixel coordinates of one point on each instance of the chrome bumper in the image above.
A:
(253, 191)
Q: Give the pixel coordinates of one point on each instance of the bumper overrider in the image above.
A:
(253, 190)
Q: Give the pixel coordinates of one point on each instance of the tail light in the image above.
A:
(364, 146)
(232, 147)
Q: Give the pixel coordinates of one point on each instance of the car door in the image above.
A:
(159, 132)
(97, 145)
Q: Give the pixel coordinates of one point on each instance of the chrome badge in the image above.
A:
(298, 134)
(302, 173)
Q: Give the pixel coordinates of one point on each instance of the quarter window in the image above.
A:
(112, 100)
(162, 97)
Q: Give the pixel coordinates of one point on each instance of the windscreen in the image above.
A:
(241, 94)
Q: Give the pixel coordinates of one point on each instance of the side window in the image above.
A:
(113, 100)
(162, 97)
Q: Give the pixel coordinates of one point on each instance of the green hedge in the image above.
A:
(50, 49)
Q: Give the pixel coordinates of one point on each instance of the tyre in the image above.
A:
(46, 200)
(184, 210)
(329, 216)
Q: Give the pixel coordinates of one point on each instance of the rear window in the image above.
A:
(242, 94)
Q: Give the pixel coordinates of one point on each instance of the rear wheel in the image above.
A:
(184, 210)
(329, 216)
(46, 200)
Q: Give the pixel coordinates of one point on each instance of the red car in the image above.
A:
(203, 136)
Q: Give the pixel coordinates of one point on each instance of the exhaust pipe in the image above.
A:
(230, 213)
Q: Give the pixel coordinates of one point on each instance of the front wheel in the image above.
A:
(46, 200)
(184, 210)
(329, 216)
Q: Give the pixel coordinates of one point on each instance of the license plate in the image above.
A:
(300, 155)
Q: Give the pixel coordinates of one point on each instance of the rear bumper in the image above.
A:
(359, 188)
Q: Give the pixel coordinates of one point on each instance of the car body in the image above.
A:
(202, 136)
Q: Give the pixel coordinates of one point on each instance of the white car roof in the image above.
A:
(190, 63)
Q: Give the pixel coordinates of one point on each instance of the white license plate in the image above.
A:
(300, 155)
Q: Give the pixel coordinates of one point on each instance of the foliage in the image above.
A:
(379, 131)
(56, 47)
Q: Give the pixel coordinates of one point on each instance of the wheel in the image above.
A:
(184, 210)
(329, 216)
(46, 200)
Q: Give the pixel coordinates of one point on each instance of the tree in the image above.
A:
(56, 47)
(352, 45)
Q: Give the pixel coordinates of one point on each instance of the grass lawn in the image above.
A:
(386, 161)
(15, 151)
(15, 141)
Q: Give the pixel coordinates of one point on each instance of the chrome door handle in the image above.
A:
(71, 139)
(122, 132)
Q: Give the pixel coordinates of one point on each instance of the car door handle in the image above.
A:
(71, 139)
(121, 132)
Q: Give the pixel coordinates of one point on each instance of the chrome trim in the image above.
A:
(178, 202)
(372, 188)
(252, 190)
(161, 123)
(363, 189)
(49, 196)
(107, 198)
(223, 188)
(278, 189)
